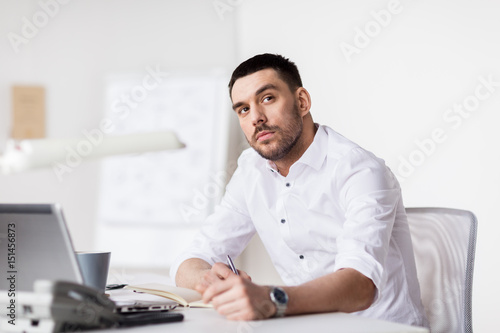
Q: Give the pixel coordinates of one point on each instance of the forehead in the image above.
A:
(247, 86)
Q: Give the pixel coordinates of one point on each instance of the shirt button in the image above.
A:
(288, 184)
(283, 220)
(301, 256)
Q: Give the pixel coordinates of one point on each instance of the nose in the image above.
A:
(258, 116)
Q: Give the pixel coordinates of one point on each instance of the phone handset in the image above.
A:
(79, 305)
(75, 291)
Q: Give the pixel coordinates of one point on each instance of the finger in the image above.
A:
(241, 309)
(201, 287)
(221, 270)
(214, 290)
(234, 301)
(236, 309)
(231, 294)
(207, 279)
(210, 277)
(244, 275)
(219, 287)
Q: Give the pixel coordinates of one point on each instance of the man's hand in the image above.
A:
(219, 271)
(237, 298)
(198, 274)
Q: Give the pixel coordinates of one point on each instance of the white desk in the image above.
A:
(208, 320)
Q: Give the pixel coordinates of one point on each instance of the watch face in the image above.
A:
(280, 296)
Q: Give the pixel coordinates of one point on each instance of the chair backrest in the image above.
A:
(444, 242)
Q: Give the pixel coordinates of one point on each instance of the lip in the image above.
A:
(264, 135)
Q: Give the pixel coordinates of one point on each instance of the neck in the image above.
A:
(305, 140)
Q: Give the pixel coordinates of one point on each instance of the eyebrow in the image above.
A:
(258, 92)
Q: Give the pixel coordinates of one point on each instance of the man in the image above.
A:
(329, 213)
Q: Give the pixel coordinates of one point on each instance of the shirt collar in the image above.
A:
(315, 154)
(272, 166)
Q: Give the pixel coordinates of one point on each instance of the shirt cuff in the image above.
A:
(362, 266)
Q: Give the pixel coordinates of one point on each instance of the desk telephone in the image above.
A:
(75, 307)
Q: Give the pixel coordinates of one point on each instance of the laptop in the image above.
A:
(35, 245)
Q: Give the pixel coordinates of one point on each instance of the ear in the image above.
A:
(303, 100)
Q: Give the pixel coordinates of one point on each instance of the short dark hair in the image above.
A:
(285, 68)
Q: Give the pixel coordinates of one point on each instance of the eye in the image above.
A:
(267, 98)
(243, 111)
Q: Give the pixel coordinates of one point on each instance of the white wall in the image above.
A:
(71, 55)
(395, 91)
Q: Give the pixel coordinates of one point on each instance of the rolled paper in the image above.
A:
(26, 155)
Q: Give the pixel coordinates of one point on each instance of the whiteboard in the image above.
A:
(157, 194)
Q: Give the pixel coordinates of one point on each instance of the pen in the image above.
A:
(115, 286)
(231, 265)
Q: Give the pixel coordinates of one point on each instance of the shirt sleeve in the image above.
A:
(226, 232)
(369, 194)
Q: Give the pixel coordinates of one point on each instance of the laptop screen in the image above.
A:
(34, 244)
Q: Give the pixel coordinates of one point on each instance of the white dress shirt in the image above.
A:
(338, 207)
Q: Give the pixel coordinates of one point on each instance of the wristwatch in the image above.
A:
(280, 299)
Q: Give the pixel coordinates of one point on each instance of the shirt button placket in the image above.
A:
(282, 218)
(304, 264)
